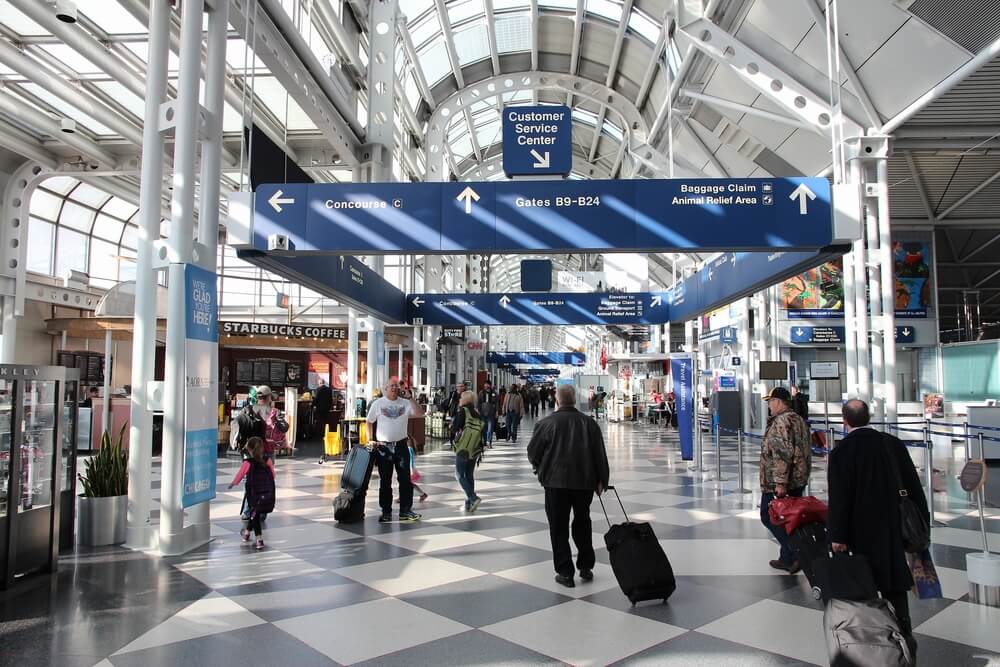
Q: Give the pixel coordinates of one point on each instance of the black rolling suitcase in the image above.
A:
(809, 543)
(843, 576)
(349, 506)
(642, 569)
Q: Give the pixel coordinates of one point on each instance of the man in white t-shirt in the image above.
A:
(388, 420)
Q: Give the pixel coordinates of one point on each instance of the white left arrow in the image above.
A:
(417, 301)
(802, 192)
(276, 201)
(468, 194)
(541, 161)
(710, 274)
(504, 300)
(657, 300)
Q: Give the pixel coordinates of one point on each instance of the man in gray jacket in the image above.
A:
(487, 406)
(568, 455)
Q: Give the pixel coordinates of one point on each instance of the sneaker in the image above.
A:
(475, 505)
(245, 535)
(259, 545)
(385, 518)
(423, 497)
(409, 516)
(565, 581)
(587, 575)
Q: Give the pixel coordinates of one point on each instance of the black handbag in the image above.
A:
(843, 576)
(915, 531)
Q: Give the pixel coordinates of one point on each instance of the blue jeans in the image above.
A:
(491, 424)
(785, 555)
(513, 420)
(465, 469)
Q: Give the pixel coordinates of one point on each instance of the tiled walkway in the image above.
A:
(469, 590)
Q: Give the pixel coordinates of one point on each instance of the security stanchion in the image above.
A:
(832, 435)
(718, 455)
(739, 458)
(979, 499)
(699, 448)
(929, 474)
(965, 427)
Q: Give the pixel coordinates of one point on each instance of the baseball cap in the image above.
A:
(780, 393)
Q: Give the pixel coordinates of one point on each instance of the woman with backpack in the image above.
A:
(258, 499)
(467, 434)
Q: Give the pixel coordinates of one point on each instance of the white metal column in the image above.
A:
(375, 327)
(746, 360)
(352, 362)
(888, 288)
(180, 245)
(850, 325)
(106, 412)
(415, 376)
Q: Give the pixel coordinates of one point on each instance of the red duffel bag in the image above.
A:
(793, 513)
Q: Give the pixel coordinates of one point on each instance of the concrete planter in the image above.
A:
(102, 520)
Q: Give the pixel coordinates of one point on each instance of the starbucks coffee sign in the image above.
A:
(282, 330)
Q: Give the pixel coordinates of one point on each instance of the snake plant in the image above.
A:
(107, 473)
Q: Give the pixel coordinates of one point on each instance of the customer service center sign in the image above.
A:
(200, 421)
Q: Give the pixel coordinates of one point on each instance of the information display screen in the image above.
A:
(774, 370)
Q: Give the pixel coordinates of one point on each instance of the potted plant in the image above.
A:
(104, 501)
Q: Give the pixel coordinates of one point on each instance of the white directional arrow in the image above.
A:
(732, 260)
(799, 331)
(417, 301)
(710, 274)
(276, 201)
(802, 192)
(541, 161)
(504, 300)
(906, 332)
(468, 194)
(657, 300)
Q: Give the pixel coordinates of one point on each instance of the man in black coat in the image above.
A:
(863, 515)
(322, 403)
(567, 453)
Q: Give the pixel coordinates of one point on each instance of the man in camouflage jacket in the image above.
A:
(785, 462)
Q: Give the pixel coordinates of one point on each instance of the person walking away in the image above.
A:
(467, 435)
(258, 496)
(800, 403)
(488, 408)
(322, 404)
(275, 425)
(388, 418)
(514, 409)
(785, 462)
(863, 517)
(568, 455)
(543, 397)
(532, 401)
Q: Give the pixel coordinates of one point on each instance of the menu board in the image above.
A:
(261, 372)
(277, 377)
(293, 374)
(244, 373)
(95, 369)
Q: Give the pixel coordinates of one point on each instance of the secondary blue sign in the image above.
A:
(537, 358)
(905, 334)
(677, 215)
(537, 140)
(681, 371)
(554, 308)
(727, 335)
(836, 335)
(200, 420)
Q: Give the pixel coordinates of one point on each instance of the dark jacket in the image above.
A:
(323, 398)
(800, 405)
(863, 510)
(567, 451)
(458, 421)
(487, 403)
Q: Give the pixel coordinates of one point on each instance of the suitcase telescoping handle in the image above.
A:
(612, 488)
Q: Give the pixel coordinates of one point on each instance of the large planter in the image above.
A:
(102, 521)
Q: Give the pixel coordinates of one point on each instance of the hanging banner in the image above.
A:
(200, 420)
(680, 370)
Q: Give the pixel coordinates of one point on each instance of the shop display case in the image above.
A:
(37, 467)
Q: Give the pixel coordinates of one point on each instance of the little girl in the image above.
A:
(258, 498)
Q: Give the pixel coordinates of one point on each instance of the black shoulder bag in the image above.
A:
(916, 533)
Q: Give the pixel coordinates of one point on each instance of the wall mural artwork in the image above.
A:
(911, 266)
(818, 292)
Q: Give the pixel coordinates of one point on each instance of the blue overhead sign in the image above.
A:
(727, 335)
(553, 308)
(836, 335)
(346, 279)
(537, 358)
(698, 215)
(537, 140)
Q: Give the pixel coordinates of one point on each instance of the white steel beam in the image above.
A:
(969, 195)
(574, 55)
(14, 139)
(491, 31)
(721, 103)
(534, 36)
(763, 75)
(449, 43)
(714, 161)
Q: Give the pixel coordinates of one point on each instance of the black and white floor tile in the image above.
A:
(460, 589)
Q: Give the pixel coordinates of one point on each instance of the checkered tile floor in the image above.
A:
(461, 589)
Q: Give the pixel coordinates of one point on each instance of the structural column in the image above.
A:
(746, 355)
(415, 377)
(885, 264)
(8, 351)
(180, 252)
(106, 412)
(376, 330)
(138, 535)
(352, 361)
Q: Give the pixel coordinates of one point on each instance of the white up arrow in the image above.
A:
(504, 300)
(657, 300)
(276, 201)
(417, 301)
(468, 194)
(802, 192)
(541, 161)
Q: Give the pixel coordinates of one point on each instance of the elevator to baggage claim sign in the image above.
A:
(200, 395)
(537, 140)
